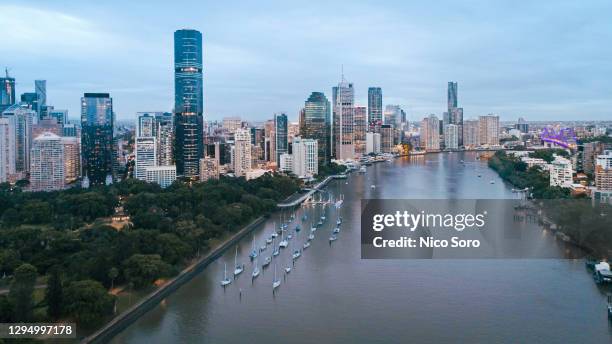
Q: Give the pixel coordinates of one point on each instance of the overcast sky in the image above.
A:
(543, 60)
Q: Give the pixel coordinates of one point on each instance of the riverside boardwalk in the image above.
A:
(302, 198)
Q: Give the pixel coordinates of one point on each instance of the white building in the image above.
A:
(146, 156)
(21, 119)
(531, 162)
(47, 163)
(561, 172)
(603, 172)
(242, 152)
(451, 136)
(162, 175)
(305, 161)
(286, 163)
(372, 143)
(7, 150)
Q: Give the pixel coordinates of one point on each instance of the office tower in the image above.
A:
(269, 141)
(456, 118)
(285, 163)
(590, 151)
(47, 125)
(231, 124)
(372, 143)
(304, 157)
(7, 91)
(164, 176)
(471, 135)
(375, 108)
(97, 145)
(188, 102)
(452, 95)
(146, 124)
(40, 87)
(70, 130)
(209, 169)
(21, 117)
(603, 171)
(522, 125)
(145, 157)
(281, 135)
(242, 151)
(451, 136)
(164, 135)
(360, 128)
(430, 133)
(386, 138)
(393, 115)
(30, 99)
(316, 124)
(257, 144)
(293, 130)
(7, 152)
(488, 129)
(72, 159)
(47, 163)
(61, 116)
(343, 98)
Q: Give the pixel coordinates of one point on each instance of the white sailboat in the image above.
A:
(333, 238)
(275, 282)
(266, 262)
(306, 244)
(287, 269)
(311, 236)
(225, 281)
(255, 272)
(283, 242)
(336, 230)
(275, 250)
(254, 252)
(238, 268)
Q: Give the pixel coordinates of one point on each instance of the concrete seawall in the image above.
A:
(123, 320)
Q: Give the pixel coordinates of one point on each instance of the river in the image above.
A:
(333, 296)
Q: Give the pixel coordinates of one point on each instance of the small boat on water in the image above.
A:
(313, 229)
(269, 240)
(320, 223)
(255, 272)
(298, 228)
(339, 221)
(238, 268)
(306, 244)
(225, 281)
(290, 236)
(373, 186)
(266, 262)
(284, 243)
(311, 236)
(275, 282)
(254, 252)
(262, 248)
(362, 169)
(336, 230)
(288, 269)
(492, 182)
(296, 254)
(333, 238)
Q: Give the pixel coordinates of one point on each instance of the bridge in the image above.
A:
(565, 137)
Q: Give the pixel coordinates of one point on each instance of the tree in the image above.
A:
(20, 294)
(143, 269)
(87, 302)
(54, 293)
(112, 274)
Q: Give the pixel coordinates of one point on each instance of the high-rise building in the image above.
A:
(304, 157)
(375, 107)
(71, 130)
(269, 141)
(451, 136)
(316, 124)
(231, 124)
(97, 146)
(188, 102)
(257, 144)
(47, 163)
(372, 143)
(360, 128)
(488, 128)
(47, 125)
(603, 171)
(430, 133)
(61, 116)
(590, 151)
(145, 157)
(7, 149)
(72, 159)
(522, 125)
(452, 95)
(162, 175)
(386, 138)
(561, 171)
(146, 125)
(7, 91)
(40, 88)
(21, 118)
(393, 115)
(30, 99)
(343, 98)
(281, 135)
(471, 135)
(209, 169)
(242, 152)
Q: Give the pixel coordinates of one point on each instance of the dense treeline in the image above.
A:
(68, 237)
(514, 171)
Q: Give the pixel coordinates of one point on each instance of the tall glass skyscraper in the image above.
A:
(7, 92)
(343, 97)
(281, 135)
(188, 102)
(375, 109)
(97, 120)
(452, 95)
(317, 124)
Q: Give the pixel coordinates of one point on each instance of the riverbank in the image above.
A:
(118, 323)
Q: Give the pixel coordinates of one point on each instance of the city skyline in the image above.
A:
(562, 77)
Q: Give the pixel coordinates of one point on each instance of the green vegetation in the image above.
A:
(330, 169)
(602, 139)
(548, 154)
(514, 171)
(70, 237)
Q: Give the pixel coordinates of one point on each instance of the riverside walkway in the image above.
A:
(318, 187)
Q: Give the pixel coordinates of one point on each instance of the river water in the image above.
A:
(333, 296)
